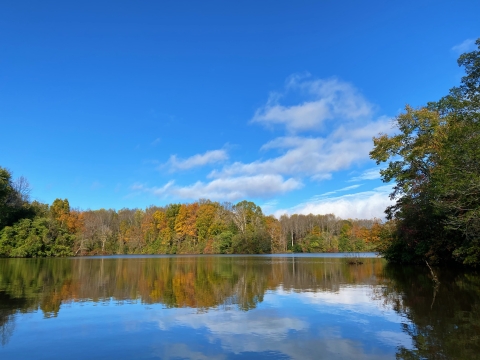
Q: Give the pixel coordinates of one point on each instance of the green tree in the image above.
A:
(222, 243)
(314, 243)
(434, 162)
(35, 238)
(413, 155)
(459, 171)
(252, 237)
(14, 203)
(344, 240)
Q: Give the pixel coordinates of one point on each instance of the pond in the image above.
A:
(235, 307)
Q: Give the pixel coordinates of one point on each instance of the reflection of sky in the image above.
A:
(355, 305)
(308, 325)
(349, 300)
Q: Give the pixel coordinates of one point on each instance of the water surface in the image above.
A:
(235, 307)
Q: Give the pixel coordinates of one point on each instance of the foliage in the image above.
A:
(14, 203)
(442, 322)
(201, 227)
(35, 238)
(434, 162)
(32, 229)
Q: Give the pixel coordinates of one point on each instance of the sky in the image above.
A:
(129, 104)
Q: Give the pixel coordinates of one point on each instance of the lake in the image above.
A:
(235, 307)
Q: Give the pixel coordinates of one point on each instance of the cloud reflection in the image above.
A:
(286, 327)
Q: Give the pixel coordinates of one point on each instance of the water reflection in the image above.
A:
(235, 306)
(444, 322)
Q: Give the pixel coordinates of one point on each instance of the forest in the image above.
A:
(33, 229)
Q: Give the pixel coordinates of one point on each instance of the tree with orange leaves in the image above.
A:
(185, 222)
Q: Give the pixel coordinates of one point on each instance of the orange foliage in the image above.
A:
(74, 221)
(185, 223)
(274, 229)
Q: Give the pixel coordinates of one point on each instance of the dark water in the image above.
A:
(234, 307)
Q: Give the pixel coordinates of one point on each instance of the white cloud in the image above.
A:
(317, 157)
(360, 299)
(351, 187)
(363, 205)
(331, 105)
(321, 177)
(369, 174)
(327, 194)
(464, 46)
(209, 157)
(236, 322)
(230, 188)
(329, 100)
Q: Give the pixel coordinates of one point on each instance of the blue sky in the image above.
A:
(129, 104)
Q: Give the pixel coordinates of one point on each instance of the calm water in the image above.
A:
(234, 307)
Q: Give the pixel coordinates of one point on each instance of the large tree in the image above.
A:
(434, 160)
(14, 196)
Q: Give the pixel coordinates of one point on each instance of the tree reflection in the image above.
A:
(198, 282)
(444, 321)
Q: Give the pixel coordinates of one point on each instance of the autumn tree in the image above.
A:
(433, 160)
(185, 223)
(274, 230)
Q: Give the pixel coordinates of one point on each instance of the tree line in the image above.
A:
(33, 229)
